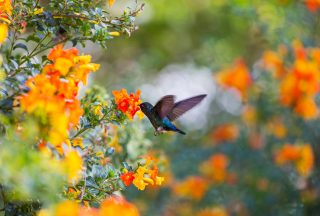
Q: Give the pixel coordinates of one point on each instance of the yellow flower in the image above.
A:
(305, 164)
(117, 206)
(63, 65)
(73, 165)
(67, 208)
(113, 205)
(38, 11)
(52, 97)
(44, 212)
(139, 178)
(115, 144)
(114, 33)
(111, 2)
(159, 180)
(3, 32)
(97, 110)
(59, 128)
(147, 174)
(78, 142)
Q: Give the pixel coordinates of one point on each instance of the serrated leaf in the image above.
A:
(90, 182)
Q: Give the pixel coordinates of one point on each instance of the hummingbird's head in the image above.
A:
(146, 107)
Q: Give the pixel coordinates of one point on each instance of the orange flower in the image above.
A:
(67, 208)
(237, 77)
(273, 61)
(312, 5)
(5, 10)
(127, 178)
(276, 127)
(249, 115)
(58, 52)
(52, 95)
(306, 108)
(215, 168)
(67, 62)
(111, 2)
(110, 206)
(225, 133)
(287, 153)
(215, 211)
(127, 104)
(117, 206)
(73, 165)
(300, 155)
(305, 165)
(147, 174)
(193, 187)
(300, 85)
(256, 140)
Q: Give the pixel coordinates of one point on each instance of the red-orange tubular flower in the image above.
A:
(128, 104)
(312, 5)
(127, 178)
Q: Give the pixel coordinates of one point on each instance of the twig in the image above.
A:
(83, 190)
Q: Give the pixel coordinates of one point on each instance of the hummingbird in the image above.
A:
(166, 111)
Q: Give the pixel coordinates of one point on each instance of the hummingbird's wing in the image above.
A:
(183, 106)
(164, 106)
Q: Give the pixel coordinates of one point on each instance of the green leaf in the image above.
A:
(21, 46)
(33, 38)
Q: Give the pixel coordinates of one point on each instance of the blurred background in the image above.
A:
(178, 49)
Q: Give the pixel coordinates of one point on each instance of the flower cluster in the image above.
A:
(110, 206)
(276, 127)
(299, 83)
(225, 133)
(215, 168)
(52, 94)
(143, 175)
(193, 187)
(128, 104)
(299, 155)
(5, 12)
(237, 77)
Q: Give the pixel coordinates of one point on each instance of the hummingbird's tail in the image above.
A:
(180, 131)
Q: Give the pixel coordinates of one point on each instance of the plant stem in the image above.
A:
(80, 132)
